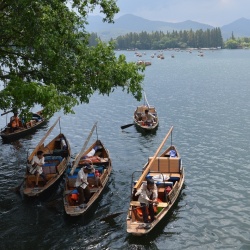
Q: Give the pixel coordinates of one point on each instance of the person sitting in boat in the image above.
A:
(148, 195)
(14, 122)
(97, 175)
(82, 185)
(149, 118)
(37, 166)
(93, 152)
(137, 116)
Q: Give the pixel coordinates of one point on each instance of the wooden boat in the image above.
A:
(57, 155)
(146, 63)
(168, 174)
(139, 118)
(100, 161)
(27, 128)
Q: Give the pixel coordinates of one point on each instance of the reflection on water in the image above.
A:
(146, 132)
(207, 101)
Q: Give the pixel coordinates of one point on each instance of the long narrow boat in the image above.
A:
(26, 128)
(101, 163)
(57, 155)
(168, 174)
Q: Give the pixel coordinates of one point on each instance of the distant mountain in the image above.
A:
(240, 28)
(131, 23)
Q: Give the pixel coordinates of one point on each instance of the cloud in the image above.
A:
(212, 12)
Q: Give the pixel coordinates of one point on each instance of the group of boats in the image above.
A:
(57, 163)
(164, 169)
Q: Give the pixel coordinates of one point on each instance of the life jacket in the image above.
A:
(139, 209)
(74, 197)
(97, 174)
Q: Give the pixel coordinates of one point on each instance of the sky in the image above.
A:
(213, 12)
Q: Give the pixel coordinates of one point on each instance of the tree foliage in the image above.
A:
(46, 59)
(231, 44)
(181, 39)
(237, 43)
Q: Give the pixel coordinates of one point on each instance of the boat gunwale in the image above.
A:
(17, 134)
(140, 228)
(99, 190)
(62, 166)
(137, 122)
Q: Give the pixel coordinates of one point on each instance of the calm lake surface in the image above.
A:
(207, 100)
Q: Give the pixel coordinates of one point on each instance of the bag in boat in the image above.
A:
(172, 153)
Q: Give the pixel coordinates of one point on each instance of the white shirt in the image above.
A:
(91, 153)
(145, 193)
(150, 117)
(81, 180)
(38, 161)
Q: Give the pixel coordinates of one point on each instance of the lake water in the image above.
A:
(207, 101)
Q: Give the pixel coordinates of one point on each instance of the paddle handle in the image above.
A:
(82, 151)
(42, 140)
(6, 112)
(126, 126)
(111, 216)
(146, 100)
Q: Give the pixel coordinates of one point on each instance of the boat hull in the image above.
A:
(56, 162)
(104, 164)
(8, 136)
(144, 128)
(168, 174)
(140, 122)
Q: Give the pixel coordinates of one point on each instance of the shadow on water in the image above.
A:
(146, 132)
(171, 216)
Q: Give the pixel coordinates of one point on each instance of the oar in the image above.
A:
(145, 172)
(6, 112)
(126, 126)
(42, 140)
(17, 189)
(82, 151)
(146, 100)
(111, 216)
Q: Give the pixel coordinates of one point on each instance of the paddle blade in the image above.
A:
(126, 126)
(17, 189)
(111, 216)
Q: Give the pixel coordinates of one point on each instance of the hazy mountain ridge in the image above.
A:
(131, 23)
(240, 28)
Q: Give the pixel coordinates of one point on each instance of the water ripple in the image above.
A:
(207, 102)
